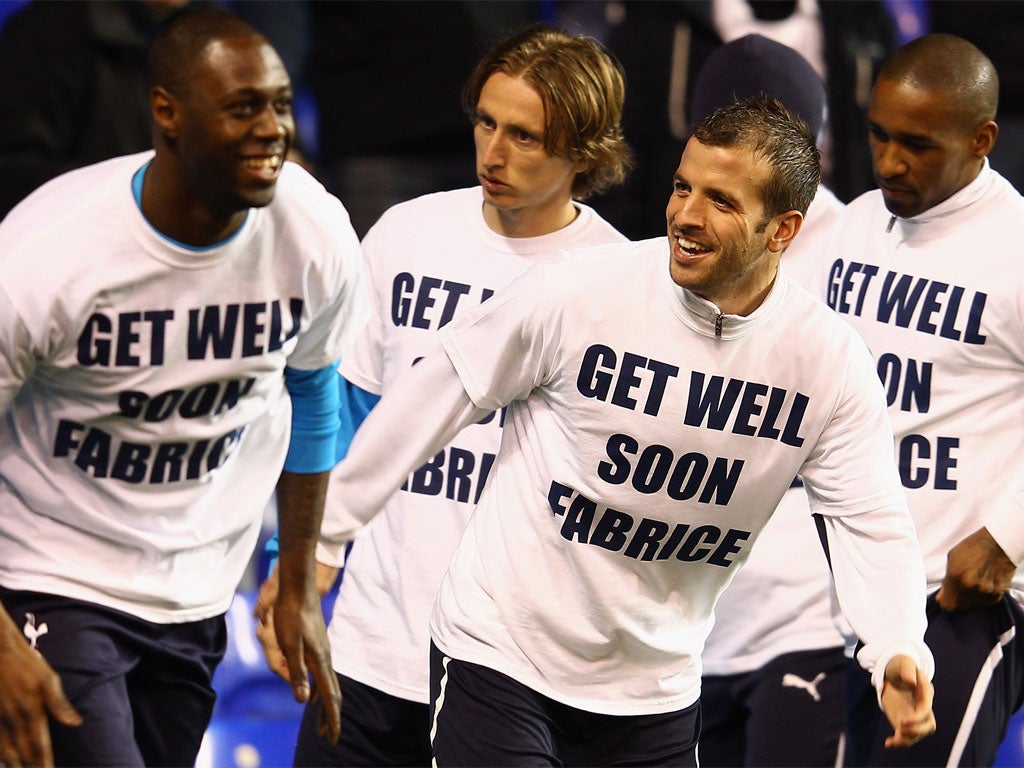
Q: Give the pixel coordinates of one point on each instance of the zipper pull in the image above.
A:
(892, 221)
(718, 325)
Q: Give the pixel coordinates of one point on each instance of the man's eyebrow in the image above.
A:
(921, 138)
(731, 199)
(483, 113)
(257, 91)
(530, 131)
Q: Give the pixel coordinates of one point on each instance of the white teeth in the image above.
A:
(259, 163)
(689, 245)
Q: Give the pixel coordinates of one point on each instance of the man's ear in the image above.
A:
(164, 107)
(984, 138)
(785, 229)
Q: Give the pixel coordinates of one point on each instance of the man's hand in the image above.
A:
(265, 627)
(302, 637)
(29, 691)
(978, 573)
(298, 617)
(325, 577)
(907, 702)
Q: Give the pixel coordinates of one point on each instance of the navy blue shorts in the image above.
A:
(790, 712)
(377, 729)
(979, 684)
(484, 718)
(143, 689)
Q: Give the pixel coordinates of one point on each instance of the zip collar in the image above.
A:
(951, 206)
(706, 318)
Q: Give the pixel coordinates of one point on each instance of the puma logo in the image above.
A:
(32, 632)
(789, 680)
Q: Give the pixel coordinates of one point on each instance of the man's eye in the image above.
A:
(242, 108)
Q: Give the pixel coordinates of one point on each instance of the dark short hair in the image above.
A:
(952, 66)
(764, 125)
(179, 45)
(582, 88)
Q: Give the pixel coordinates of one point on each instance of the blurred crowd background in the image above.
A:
(378, 82)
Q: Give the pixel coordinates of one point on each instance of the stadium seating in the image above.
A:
(1011, 753)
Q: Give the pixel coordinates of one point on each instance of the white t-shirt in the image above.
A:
(143, 415)
(939, 298)
(426, 260)
(781, 601)
(641, 455)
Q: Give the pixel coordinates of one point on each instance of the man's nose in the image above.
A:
(493, 151)
(889, 161)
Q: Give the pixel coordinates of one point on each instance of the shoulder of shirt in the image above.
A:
(300, 193)
(822, 213)
(1006, 190)
(75, 200)
(78, 187)
(620, 253)
(814, 315)
(436, 208)
(866, 200)
(825, 203)
(433, 202)
(428, 212)
(313, 216)
(591, 267)
(600, 229)
(438, 221)
(867, 206)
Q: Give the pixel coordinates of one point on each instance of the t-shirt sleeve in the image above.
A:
(354, 405)
(362, 362)
(507, 346)
(397, 436)
(17, 354)
(853, 482)
(336, 300)
(1005, 520)
(853, 466)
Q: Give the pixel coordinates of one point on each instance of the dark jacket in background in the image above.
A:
(72, 89)
(663, 45)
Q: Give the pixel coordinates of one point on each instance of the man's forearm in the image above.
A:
(300, 504)
(422, 412)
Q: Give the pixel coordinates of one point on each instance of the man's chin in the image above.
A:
(681, 276)
(259, 198)
(503, 200)
(902, 204)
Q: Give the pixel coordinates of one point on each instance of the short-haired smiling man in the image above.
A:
(164, 318)
(656, 415)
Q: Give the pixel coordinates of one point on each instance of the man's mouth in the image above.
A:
(266, 168)
(893, 191)
(491, 184)
(692, 247)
